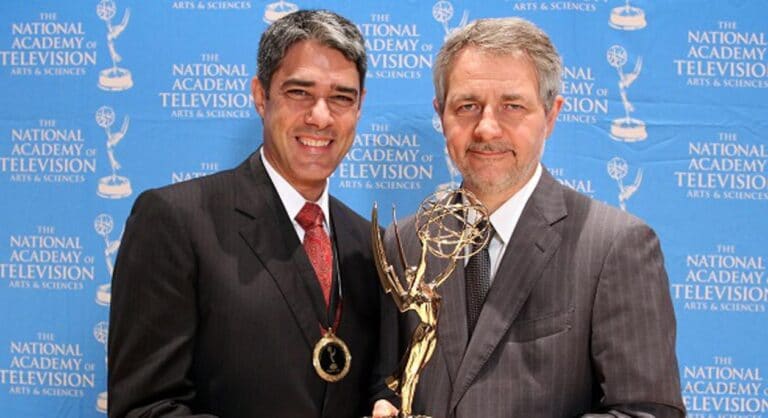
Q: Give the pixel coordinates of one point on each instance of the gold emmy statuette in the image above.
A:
(451, 225)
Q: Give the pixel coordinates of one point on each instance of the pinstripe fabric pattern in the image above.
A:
(215, 306)
(578, 320)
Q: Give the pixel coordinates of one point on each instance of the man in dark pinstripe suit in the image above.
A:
(219, 304)
(577, 320)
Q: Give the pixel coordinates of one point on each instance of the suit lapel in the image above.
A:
(452, 317)
(341, 224)
(341, 241)
(269, 233)
(452, 323)
(531, 246)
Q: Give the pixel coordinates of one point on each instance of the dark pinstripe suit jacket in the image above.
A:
(216, 308)
(578, 320)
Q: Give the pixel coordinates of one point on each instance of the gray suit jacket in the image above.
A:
(216, 307)
(578, 320)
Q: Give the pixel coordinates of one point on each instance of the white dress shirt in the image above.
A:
(292, 200)
(504, 220)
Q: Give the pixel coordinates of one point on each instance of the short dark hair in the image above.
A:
(328, 28)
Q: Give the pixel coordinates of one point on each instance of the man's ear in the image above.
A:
(360, 104)
(552, 115)
(439, 113)
(259, 96)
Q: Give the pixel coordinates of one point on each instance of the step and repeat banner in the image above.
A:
(665, 117)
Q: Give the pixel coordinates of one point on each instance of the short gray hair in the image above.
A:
(328, 28)
(503, 36)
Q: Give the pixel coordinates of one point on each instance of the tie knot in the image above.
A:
(310, 216)
(489, 232)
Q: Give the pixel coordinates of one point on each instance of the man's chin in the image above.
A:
(489, 185)
(315, 167)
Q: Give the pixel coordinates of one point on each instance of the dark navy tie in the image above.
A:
(477, 274)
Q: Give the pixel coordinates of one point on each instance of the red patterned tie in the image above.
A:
(317, 245)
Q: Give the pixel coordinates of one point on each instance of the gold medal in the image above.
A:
(331, 357)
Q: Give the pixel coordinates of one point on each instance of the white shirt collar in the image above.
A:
(506, 217)
(292, 200)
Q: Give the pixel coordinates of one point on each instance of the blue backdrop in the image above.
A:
(665, 117)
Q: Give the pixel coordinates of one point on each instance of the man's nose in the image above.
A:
(319, 114)
(488, 127)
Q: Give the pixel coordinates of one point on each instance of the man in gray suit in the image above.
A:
(574, 316)
(218, 309)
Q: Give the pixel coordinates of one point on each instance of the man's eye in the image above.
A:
(297, 94)
(342, 100)
(513, 106)
(467, 108)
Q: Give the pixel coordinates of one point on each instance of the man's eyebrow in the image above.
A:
(462, 97)
(297, 82)
(473, 97)
(511, 97)
(291, 82)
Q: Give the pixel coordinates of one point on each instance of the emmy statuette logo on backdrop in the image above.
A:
(618, 170)
(103, 224)
(451, 225)
(278, 9)
(626, 129)
(627, 17)
(113, 186)
(452, 170)
(101, 333)
(442, 12)
(114, 78)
